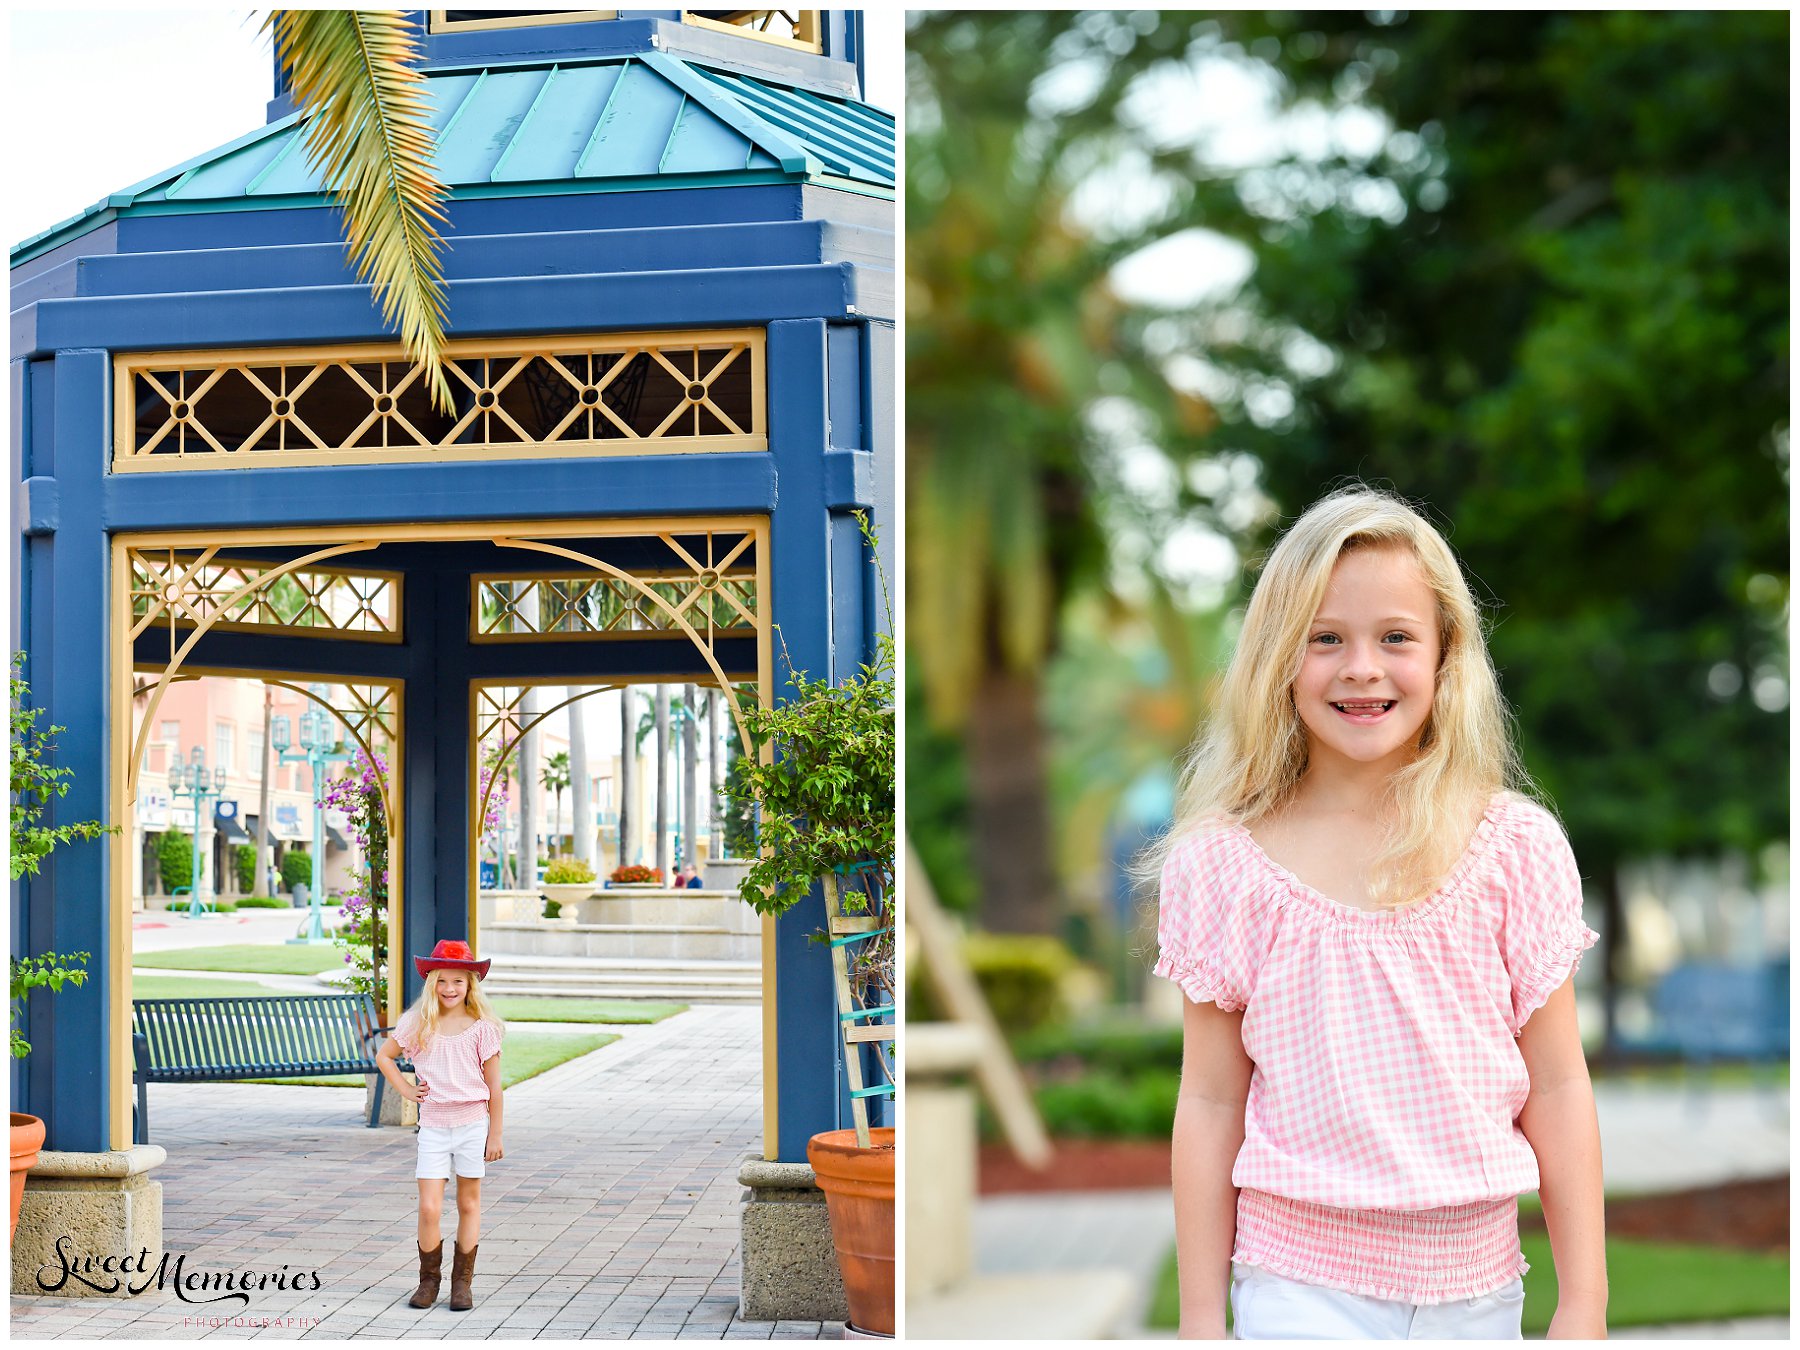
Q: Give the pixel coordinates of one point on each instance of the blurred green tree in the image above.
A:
(1555, 297)
(1014, 339)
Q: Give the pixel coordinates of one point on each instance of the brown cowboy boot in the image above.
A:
(431, 1274)
(462, 1270)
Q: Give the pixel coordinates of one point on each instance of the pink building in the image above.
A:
(224, 718)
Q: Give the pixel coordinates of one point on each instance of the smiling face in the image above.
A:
(452, 989)
(1365, 686)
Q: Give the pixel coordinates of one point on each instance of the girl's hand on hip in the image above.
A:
(414, 1092)
(494, 1152)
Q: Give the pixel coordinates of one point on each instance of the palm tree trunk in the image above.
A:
(627, 774)
(527, 777)
(662, 783)
(690, 779)
(581, 803)
(265, 837)
(715, 764)
(1010, 807)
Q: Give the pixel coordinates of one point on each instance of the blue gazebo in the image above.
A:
(671, 307)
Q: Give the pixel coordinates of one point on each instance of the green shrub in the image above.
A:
(552, 909)
(296, 866)
(175, 860)
(1107, 1105)
(243, 863)
(1117, 1044)
(564, 870)
(1020, 976)
(260, 902)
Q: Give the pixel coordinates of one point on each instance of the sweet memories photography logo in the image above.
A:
(138, 1274)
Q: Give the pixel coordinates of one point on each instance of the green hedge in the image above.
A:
(1020, 976)
(175, 860)
(243, 863)
(296, 866)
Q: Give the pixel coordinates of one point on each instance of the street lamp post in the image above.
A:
(318, 747)
(191, 780)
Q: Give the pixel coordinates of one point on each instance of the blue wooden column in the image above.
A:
(66, 631)
(436, 723)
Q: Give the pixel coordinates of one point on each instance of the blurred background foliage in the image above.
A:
(1172, 277)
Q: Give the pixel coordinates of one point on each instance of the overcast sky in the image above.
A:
(100, 100)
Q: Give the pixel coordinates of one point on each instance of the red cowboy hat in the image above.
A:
(452, 955)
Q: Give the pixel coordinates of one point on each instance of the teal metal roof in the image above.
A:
(644, 121)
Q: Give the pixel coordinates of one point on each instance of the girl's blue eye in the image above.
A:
(1326, 637)
(1402, 636)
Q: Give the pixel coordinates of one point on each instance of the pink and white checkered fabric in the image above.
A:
(1382, 1153)
(452, 1065)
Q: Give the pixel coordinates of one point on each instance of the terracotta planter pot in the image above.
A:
(859, 1193)
(27, 1139)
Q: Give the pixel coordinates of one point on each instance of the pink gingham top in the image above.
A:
(1382, 1152)
(452, 1066)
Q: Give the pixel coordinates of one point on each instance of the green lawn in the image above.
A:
(525, 1054)
(515, 1009)
(274, 959)
(510, 1009)
(1649, 1284)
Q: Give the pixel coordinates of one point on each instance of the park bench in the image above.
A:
(222, 1040)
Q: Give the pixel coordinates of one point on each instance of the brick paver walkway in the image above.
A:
(614, 1213)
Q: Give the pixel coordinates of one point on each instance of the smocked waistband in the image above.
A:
(1413, 1256)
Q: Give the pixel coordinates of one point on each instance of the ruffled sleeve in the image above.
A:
(488, 1036)
(407, 1032)
(1212, 923)
(1544, 934)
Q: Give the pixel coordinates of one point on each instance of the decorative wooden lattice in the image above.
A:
(497, 716)
(643, 393)
(186, 587)
(369, 711)
(789, 27)
(714, 593)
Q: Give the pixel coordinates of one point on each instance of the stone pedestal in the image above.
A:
(98, 1213)
(395, 1109)
(787, 1271)
(940, 1155)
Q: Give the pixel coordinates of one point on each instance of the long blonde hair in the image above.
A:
(430, 1010)
(1250, 756)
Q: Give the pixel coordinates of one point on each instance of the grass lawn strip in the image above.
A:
(1649, 1284)
(526, 1053)
(247, 958)
(607, 1012)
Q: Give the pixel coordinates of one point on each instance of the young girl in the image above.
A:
(1376, 933)
(452, 1036)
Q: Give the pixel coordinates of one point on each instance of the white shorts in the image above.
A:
(1266, 1307)
(441, 1145)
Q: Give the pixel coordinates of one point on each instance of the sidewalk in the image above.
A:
(614, 1213)
(1654, 1137)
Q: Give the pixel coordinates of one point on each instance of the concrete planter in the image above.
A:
(726, 874)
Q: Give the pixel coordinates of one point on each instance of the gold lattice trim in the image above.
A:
(497, 715)
(186, 587)
(714, 592)
(369, 710)
(787, 27)
(633, 393)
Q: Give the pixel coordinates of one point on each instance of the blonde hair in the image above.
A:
(430, 1010)
(1251, 754)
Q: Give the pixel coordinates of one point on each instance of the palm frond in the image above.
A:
(369, 135)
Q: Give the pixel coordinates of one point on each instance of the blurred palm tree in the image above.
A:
(1014, 341)
(368, 131)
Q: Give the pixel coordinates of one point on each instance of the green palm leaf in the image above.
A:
(369, 133)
